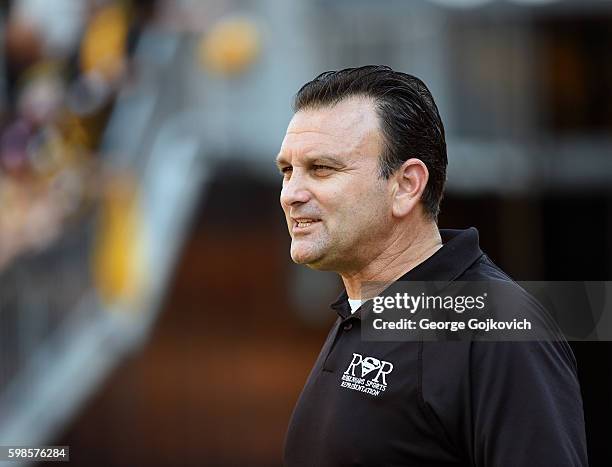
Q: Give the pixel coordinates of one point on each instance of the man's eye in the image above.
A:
(321, 168)
(286, 170)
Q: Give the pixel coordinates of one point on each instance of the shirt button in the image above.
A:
(348, 326)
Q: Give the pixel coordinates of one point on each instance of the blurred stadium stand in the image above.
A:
(148, 311)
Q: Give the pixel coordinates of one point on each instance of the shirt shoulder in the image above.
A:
(484, 269)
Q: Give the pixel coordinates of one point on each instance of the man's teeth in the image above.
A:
(304, 223)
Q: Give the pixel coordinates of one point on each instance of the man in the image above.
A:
(364, 165)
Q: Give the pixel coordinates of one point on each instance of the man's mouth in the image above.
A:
(303, 223)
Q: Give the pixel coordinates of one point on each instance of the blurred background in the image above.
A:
(149, 310)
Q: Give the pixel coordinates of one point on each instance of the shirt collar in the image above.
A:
(459, 252)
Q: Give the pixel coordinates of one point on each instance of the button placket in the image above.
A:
(342, 328)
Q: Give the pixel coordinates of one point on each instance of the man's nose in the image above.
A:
(294, 190)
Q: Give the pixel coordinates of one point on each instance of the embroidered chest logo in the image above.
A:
(366, 374)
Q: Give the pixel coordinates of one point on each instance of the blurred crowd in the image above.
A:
(63, 66)
(64, 63)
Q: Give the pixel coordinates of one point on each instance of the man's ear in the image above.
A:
(410, 181)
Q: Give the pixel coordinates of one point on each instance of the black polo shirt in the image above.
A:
(438, 403)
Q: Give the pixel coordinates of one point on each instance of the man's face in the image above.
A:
(338, 209)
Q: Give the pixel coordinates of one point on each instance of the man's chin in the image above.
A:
(311, 259)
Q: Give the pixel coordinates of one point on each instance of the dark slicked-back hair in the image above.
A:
(409, 119)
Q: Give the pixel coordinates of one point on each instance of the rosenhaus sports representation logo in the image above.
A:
(366, 374)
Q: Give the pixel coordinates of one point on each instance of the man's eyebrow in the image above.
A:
(324, 159)
(313, 159)
(280, 161)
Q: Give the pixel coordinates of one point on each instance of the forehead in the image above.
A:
(350, 127)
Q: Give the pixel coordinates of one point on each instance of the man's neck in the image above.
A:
(403, 255)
